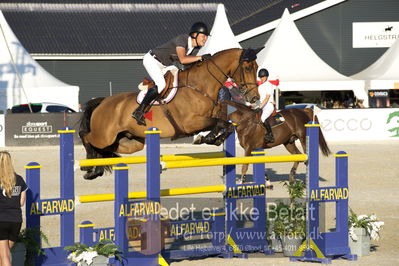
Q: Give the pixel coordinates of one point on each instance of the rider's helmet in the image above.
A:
(199, 27)
(263, 73)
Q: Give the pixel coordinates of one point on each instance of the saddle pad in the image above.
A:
(172, 93)
(168, 98)
(276, 120)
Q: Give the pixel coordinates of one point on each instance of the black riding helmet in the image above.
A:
(263, 73)
(199, 27)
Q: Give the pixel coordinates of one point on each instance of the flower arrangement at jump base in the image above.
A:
(28, 246)
(288, 220)
(84, 255)
(362, 228)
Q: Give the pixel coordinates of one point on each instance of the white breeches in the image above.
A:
(267, 111)
(154, 69)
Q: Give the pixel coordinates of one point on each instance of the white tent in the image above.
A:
(288, 56)
(383, 73)
(23, 80)
(222, 37)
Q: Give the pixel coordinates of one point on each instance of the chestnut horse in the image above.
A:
(251, 132)
(107, 127)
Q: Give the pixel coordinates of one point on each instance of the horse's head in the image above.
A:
(233, 63)
(245, 74)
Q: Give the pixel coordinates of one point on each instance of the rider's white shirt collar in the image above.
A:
(190, 46)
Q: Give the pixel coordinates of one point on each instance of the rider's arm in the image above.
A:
(186, 59)
(264, 102)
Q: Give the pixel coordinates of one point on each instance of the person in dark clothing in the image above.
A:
(12, 198)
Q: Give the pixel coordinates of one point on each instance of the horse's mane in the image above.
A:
(244, 112)
(200, 64)
(225, 51)
(241, 107)
(245, 55)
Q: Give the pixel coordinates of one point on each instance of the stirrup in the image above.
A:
(139, 116)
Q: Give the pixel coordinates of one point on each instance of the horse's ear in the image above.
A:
(250, 54)
(257, 50)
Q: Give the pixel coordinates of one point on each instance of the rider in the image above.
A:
(185, 48)
(266, 93)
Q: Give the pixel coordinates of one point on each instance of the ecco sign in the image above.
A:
(360, 124)
(351, 124)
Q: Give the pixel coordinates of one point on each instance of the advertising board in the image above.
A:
(37, 129)
(360, 124)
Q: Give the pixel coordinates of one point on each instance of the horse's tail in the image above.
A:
(93, 152)
(86, 115)
(322, 141)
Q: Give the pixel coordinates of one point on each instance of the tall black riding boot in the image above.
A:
(138, 114)
(269, 134)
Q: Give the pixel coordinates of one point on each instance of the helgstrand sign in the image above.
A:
(375, 34)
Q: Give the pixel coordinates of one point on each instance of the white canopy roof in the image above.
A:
(383, 73)
(17, 66)
(222, 37)
(288, 57)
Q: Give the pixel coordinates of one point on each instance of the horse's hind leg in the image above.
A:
(130, 145)
(92, 172)
(244, 167)
(292, 148)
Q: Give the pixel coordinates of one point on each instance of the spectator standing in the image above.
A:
(12, 198)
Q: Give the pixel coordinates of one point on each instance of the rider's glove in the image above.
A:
(206, 57)
(256, 106)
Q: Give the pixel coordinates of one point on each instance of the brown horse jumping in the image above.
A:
(107, 127)
(251, 132)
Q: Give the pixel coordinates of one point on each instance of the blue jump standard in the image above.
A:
(325, 246)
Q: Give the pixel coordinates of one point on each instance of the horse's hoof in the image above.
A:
(269, 187)
(218, 142)
(199, 139)
(242, 180)
(268, 183)
(90, 176)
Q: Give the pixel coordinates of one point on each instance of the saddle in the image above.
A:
(166, 95)
(274, 120)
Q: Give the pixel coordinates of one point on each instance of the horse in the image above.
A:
(251, 132)
(107, 128)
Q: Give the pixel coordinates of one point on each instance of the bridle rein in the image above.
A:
(243, 85)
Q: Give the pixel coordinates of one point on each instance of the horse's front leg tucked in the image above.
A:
(219, 133)
(225, 133)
